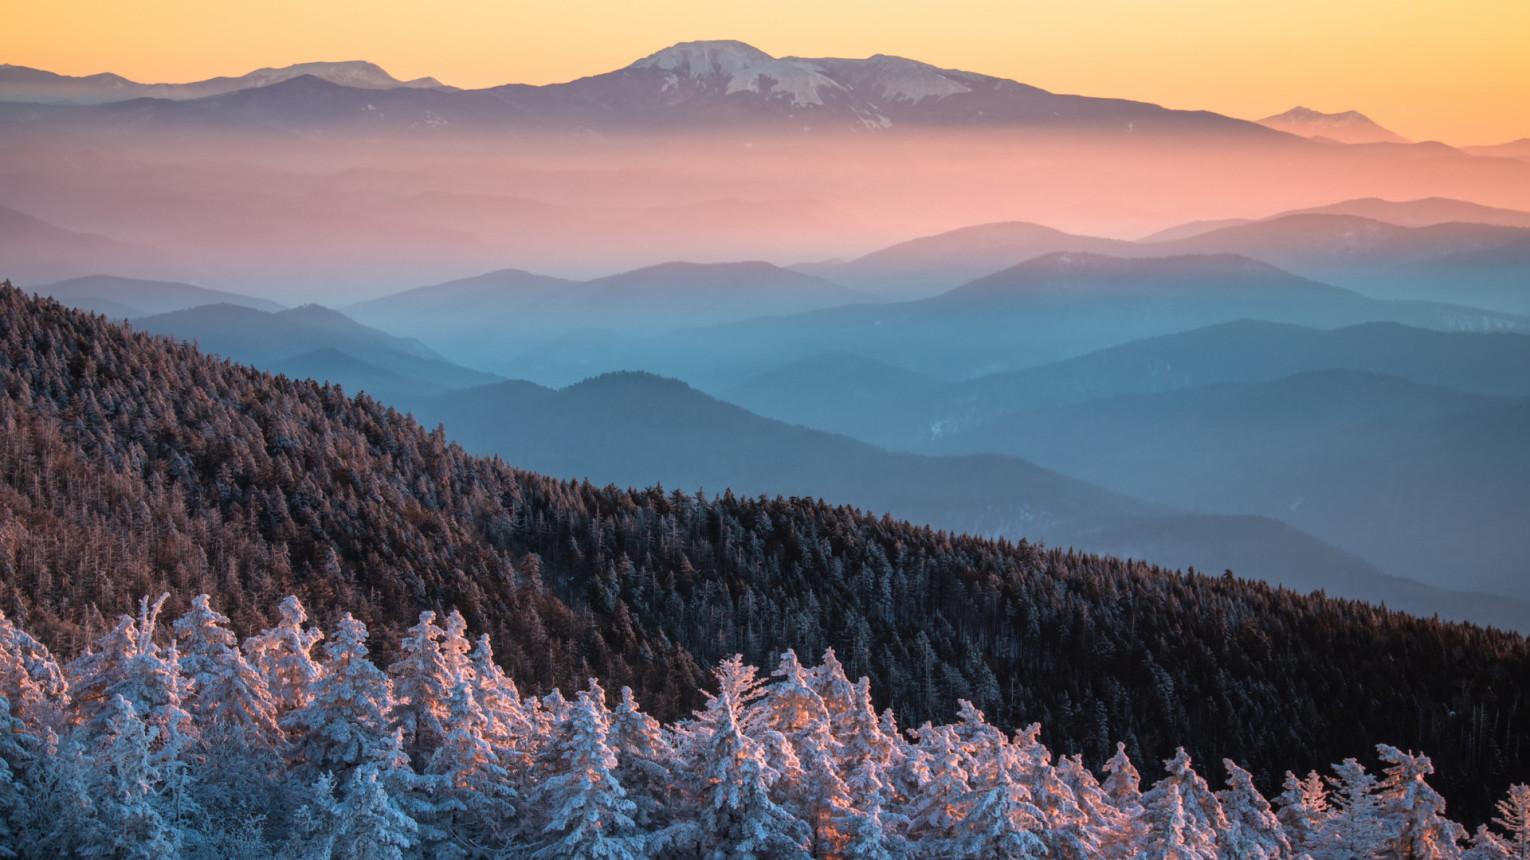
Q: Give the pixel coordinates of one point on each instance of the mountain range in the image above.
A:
(633, 429)
(22, 84)
(688, 85)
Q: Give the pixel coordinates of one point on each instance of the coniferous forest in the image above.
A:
(203, 747)
(133, 465)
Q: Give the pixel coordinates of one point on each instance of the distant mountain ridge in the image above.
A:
(1346, 127)
(20, 83)
(688, 85)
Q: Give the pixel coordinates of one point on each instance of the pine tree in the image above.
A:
(365, 822)
(63, 811)
(230, 700)
(422, 683)
(588, 814)
(474, 803)
(130, 665)
(1253, 832)
(142, 807)
(943, 799)
(344, 724)
(1414, 812)
(31, 680)
(1304, 813)
(1109, 828)
(1356, 830)
(1514, 818)
(283, 654)
(1123, 784)
(1486, 845)
(1003, 823)
(738, 818)
(810, 780)
(645, 759)
(1181, 818)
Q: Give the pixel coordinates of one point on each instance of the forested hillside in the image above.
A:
(131, 465)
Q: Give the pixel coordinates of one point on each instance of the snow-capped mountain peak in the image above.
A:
(744, 68)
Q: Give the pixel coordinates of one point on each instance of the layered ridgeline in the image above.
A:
(131, 465)
(177, 741)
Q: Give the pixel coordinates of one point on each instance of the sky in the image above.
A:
(1455, 71)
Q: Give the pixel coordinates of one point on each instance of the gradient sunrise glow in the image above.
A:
(1457, 72)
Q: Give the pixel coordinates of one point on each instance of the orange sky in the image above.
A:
(1428, 69)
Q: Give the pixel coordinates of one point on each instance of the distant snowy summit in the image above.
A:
(1347, 127)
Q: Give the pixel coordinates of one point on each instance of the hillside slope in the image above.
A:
(129, 464)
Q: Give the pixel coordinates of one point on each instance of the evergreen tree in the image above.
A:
(1486, 845)
(738, 818)
(31, 680)
(473, 803)
(1414, 812)
(1002, 821)
(1180, 818)
(645, 759)
(1253, 832)
(131, 666)
(810, 781)
(588, 814)
(1514, 818)
(1107, 827)
(1123, 784)
(143, 805)
(283, 654)
(945, 795)
(1356, 830)
(422, 684)
(1304, 813)
(344, 724)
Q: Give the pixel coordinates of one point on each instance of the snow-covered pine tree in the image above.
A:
(1253, 832)
(364, 822)
(1065, 829)
(473, 801)
(344, 723)
(645, 762)
(230, 701)
(1003, 822)
(1123, 784)
(1180, 818)
(737, 816)
(1413, 812)
(1486, 845)
(238, 750)
(1111, 828)
(31, 680)
(18, 751)
(283, 654)
(943, 799)
(63, 817)
(1304, 813)
(129, 664)
(829, 681)
(874, 838)
(586, 809)
(141, 796)
(1355, 830)
(1514, 817)
(810, 781)
(422, 687)
(870, 759)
